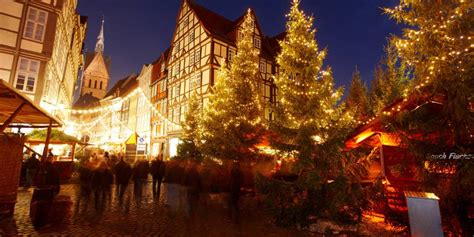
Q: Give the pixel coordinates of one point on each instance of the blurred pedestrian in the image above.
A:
(85, 182)
(235, 185)
(192, 181)
(47, 188)
(48, 176)
(102, 178)
(32, 167)
(157, 171)
(123, 172)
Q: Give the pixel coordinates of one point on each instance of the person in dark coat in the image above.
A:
(123, 172)
(102, 178)
(85, 181)
(192, 181)
(32, 167)
(157, 171)
(48, 176)
(46, 189)
(235, 185)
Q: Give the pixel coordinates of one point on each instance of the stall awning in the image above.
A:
(16, 110)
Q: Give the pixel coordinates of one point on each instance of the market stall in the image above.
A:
(17, 111)
(62, 146)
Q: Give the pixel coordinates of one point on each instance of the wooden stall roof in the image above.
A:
(29, 115)
(365, 133)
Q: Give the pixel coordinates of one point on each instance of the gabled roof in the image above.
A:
(216, 24)
(224, 29)
(86, 101)
(90, 56)
(157, 64)
(123, 86)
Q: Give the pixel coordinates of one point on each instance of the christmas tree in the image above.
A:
(437, 45)
(308, 115)
(310, 125)
(232, 122)
(188, 148)
(390, 82)
(358, 99)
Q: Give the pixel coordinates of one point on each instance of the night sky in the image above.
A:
(136, 32)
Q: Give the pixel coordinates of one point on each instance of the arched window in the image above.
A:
(95, 84)
(100, 86)
(90, 83)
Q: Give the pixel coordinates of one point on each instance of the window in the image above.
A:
(197, 56)
(90, 83)
(162, 67)
(191, 37)
(176, 49)
(256, 42)
(195, 81)
(231, 54)
(27, 75)
(186, 21)
(191, 59)
(262, 67)
(176, 91)
(100, 86)
(35, 24)
(240, 35)
(95, 84)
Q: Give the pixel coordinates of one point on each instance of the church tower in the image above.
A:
(96, 70)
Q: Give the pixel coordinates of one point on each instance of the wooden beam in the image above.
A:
(12, 116)
(48, 136)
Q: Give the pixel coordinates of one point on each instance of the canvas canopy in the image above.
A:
(16, 110)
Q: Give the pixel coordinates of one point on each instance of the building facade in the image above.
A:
(202, 42)
(41, 43)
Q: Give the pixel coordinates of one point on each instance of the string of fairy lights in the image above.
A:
(463, 43)
(458, 45)
(109, 109)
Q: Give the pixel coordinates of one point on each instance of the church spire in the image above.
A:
(99, 45)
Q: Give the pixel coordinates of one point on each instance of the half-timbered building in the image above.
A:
(202, 42)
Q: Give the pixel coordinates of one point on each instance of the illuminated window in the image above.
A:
(231, 54)
(195, 81)
(27, 74)
(35, 24)
(191, 37)
(256, 42)
(263, 67)
(197, 56)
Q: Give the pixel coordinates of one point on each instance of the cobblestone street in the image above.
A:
(143, 216)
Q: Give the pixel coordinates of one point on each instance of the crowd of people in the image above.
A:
(97, 175)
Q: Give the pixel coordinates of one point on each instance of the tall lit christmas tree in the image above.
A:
(438, 44)
(191, 138)
(308, 116)
(391, 80)
(310, 125)
(232, 122)
(358, 99)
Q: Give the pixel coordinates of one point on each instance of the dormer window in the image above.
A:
(240, 35)
(256, 42)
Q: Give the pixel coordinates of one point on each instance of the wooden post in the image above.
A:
(73, 151)
(10, 119)
(382, 161)
(48, 136)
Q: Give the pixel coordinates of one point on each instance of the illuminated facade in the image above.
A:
(41, 49)
(202, 42)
